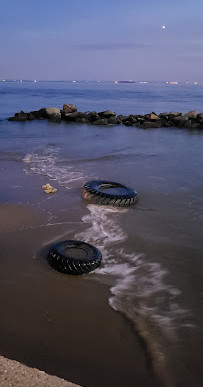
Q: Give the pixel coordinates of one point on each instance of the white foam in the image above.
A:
(140, 289)
(47, 163)
(143, 282)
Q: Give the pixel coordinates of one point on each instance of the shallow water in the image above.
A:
(151, 252)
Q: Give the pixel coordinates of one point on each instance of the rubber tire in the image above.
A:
(92, 192)
(60, 260)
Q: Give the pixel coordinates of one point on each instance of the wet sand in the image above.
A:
(58, 323)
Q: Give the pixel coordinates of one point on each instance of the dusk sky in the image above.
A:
(101, 40)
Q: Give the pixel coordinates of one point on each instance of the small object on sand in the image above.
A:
(48, 188)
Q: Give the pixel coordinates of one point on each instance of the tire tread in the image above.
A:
(92, 192)
(73, 266)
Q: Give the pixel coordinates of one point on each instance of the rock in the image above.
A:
(69, 108)
(31, 117)
(175, 114)
(125, 119)
(131, 120)
(122, 118)
(151, 124)
(128, 123)
(179, 120)
(167, 124)
(82, 120)
(22, 116)
(93, 116)
(153, 117)
(108, 117)
(114, 121)
(141, 119)
(134, 116)
(48, 188)
(164, 115)
(52, 110)
(187, 124)
(102, 121)
(107, 114)
(74, 116)
(53, 114)
(191, 114)
(41, 113)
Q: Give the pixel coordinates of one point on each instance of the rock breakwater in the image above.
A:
(69, 113)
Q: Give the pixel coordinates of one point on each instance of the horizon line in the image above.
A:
(98, 81)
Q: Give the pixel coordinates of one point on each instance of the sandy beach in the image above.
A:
(56, 323)
(141, 309)
(13, 373)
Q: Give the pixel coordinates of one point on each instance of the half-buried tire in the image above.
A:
(109, 193)
(74, 257)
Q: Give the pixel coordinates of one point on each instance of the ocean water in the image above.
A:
(152, 253)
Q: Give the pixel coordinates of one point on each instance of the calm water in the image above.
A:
(152, 254)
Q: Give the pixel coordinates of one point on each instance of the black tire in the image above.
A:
(74, 257)
(122, 196)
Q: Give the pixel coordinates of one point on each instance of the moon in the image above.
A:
(163, 27)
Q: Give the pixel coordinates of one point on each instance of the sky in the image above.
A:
(101, 40)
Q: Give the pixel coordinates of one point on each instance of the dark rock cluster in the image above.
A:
(190, 120)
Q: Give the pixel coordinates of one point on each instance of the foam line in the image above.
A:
(139, 288)
(46, 163)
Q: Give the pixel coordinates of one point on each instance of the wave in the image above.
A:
(112, 157)
(139, 288)
(47, 163)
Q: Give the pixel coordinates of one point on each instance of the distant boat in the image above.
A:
(74, 81)
(21, 81)
(35, 81)
(125, 82)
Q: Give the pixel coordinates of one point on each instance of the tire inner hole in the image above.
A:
(78, 252)
(113, 189)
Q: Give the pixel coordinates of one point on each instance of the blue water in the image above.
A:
(123, 98)
(152, 255)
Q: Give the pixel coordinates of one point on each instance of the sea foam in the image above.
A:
(46, 162)
(139, 288)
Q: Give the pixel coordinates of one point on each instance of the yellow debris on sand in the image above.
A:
(48, 188)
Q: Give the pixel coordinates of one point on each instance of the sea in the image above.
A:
(152, 252)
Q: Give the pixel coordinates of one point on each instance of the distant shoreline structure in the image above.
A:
(171, 82)
(125, 82)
